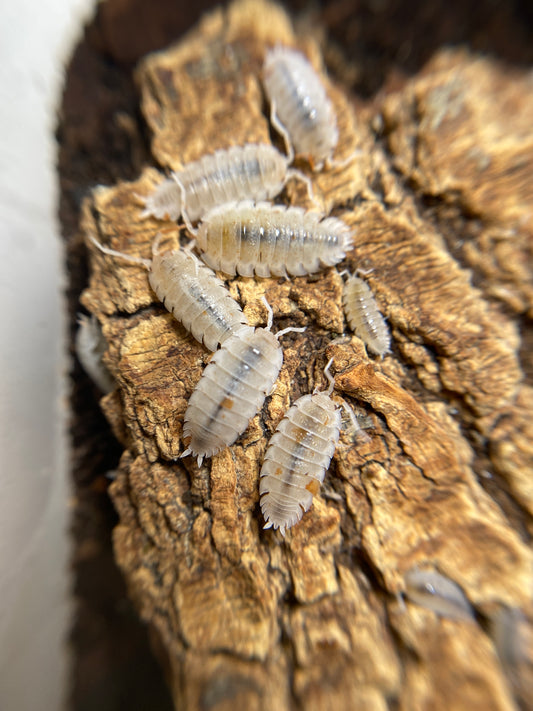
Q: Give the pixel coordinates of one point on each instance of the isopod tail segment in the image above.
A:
(270, 321)
(184, 213)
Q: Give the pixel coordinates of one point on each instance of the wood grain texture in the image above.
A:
(316, 621)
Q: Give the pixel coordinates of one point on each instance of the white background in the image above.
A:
(36, 39)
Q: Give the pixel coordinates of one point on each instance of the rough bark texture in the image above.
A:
(439, 196)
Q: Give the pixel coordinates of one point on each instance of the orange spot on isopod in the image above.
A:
(313, 487)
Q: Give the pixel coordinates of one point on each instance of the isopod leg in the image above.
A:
(144, 200)
(156, 243)
(332, 164)
(357, 430)
(270, 313)
(146, 263)
(363, 272)
(291, 329)
(294, 173)
(184, 212)
(331, 379)
(188, 250)
(280, 128)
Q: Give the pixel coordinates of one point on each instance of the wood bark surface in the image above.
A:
(439, 197)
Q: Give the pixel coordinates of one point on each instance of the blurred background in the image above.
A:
(35, 43)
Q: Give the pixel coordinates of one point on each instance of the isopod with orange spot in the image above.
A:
(232, 389)
(298, 456)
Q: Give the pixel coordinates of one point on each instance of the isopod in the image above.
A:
(300, 108)
(364, 317)
(191, 292)
(298, 456)
(90, 347)
(511, 633)
(232, 390)
(265, 239)
(253, 171)
(433, 590)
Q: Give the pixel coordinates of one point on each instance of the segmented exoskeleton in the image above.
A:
(191, 292)
(298, 456)
(255, 171)
(265, 239)
(232, 389)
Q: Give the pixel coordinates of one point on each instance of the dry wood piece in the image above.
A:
(318, 620)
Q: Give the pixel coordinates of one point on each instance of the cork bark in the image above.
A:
(439, 196)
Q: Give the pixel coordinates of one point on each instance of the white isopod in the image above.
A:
(265, 239)
(232, 390)
(253, 171)
(431, 589)
(364, 317)
(90, 347)
(191, 292)
(300, 108)
(298, 456)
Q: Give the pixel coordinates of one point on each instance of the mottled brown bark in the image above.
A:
(439, 196)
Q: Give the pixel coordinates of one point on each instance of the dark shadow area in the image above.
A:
(388, 40)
